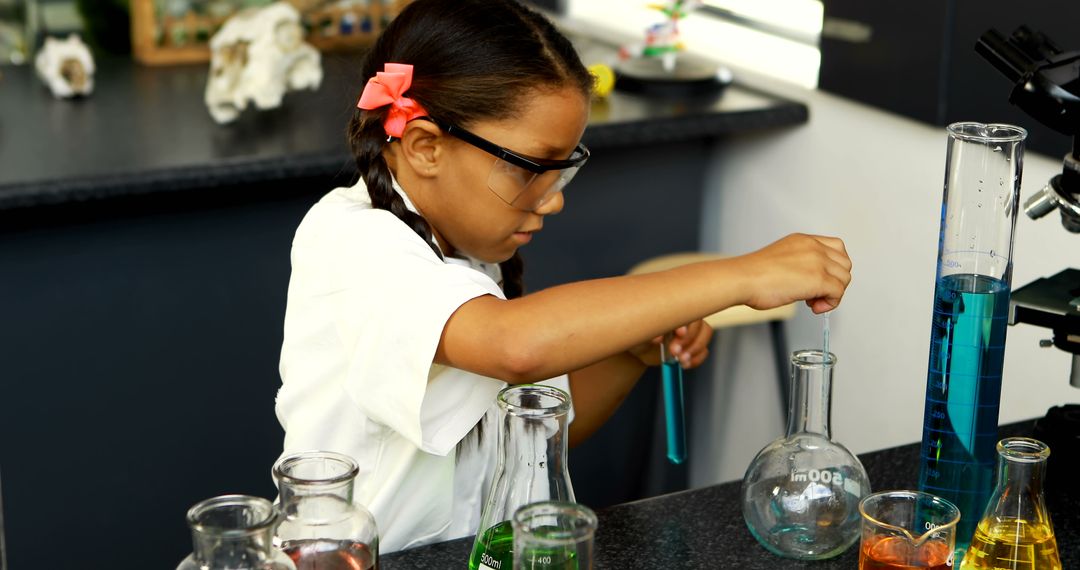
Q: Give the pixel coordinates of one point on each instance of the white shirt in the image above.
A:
(367, 303)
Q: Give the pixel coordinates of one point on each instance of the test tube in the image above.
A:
(553, 535)
(674, 403)
(970, 314)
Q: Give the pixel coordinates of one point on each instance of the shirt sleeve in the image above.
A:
(389, 297)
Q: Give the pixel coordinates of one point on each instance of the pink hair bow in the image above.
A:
(388, 88)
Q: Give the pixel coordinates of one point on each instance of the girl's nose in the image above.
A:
(552, 205)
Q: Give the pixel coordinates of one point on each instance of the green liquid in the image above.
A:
(495, 551)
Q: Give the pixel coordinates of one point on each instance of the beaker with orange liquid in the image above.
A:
(905, 530)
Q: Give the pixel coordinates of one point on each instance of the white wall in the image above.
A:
(875, 180)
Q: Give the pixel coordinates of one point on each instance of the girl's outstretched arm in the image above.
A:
(572, 326)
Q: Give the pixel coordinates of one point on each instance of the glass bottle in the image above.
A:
(801, 492)
(234, 532)
(970, 313)
(531, 467)
(1015, 531)
(323, 528)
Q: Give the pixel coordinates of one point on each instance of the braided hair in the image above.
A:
(473, 60)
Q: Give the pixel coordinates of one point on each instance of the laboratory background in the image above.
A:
(157, 156)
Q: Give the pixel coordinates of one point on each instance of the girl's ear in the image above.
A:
(423, 147)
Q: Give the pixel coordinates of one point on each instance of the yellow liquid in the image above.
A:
(1012, 544)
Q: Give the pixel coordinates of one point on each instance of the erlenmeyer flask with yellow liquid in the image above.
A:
(1015, 532)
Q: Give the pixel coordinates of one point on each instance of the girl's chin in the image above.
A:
(494, 257)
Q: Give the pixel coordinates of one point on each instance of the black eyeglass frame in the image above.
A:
(534, 165)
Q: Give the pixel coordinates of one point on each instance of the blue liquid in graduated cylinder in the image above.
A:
(963, 390)
(673, 411)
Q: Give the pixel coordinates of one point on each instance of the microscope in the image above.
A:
(1046, 85)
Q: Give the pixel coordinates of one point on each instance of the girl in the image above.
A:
(405, 309)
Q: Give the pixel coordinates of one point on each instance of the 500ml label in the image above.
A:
(826, 476)
(489, 563)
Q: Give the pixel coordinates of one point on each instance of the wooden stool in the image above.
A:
(737, 315)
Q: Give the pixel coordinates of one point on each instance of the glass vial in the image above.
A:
(551, 535)
(531, 467)
(1015, 531)
(234, 532)
(970, 314)
(801, 493)
(323, 528)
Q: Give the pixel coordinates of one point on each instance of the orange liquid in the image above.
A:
(892, 553)
(330, 555)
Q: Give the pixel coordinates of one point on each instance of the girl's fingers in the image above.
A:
(694, 347)
(834, 243)
(835, 250)
(822, 305)
(839, 259)
(701, 341)
(696, 360)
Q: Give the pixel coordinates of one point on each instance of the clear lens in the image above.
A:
(508, 181)
(527, 190)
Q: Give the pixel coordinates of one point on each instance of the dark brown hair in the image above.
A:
(472, 60)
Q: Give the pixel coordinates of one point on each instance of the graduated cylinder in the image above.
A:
(970, 314)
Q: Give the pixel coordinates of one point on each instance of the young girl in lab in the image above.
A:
(406, 313)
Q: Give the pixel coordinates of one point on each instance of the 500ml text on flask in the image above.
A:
(815, 475)
(489, 562)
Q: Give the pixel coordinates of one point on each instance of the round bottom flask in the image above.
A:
(801, 493)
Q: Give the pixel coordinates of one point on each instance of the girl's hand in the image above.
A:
(799, 267)
(689, 343)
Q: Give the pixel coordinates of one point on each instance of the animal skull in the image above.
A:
(257, 56)
(66, 67)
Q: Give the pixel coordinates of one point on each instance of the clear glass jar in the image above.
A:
(531, 467)
(323, 528)
(801, 492)
(234, 532)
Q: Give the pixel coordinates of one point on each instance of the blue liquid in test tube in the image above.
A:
(673, 405)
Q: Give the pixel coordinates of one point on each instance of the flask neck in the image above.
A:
(333, 497)
(1020, 477)
(809, 404)
(533, 443)
(233, 531)
(316, 475)
(1024, 478)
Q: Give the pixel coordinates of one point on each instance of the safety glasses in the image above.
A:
(523, 182)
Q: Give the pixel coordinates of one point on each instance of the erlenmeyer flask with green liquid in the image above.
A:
(531, 467)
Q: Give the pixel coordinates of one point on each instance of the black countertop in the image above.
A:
(704, 528)
(147, 130)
